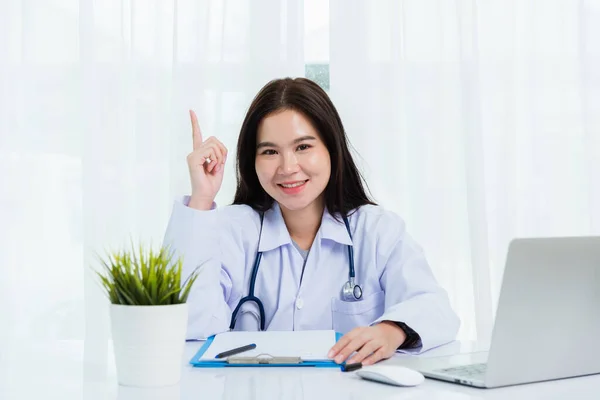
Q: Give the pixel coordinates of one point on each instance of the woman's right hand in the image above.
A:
(206, 164)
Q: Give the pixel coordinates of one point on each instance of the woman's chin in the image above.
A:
(292, 205)
(295, 204)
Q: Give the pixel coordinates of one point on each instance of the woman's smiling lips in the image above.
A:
(293, 187)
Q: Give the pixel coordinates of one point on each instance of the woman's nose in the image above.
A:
(289, 164)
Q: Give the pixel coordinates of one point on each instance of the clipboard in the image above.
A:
(261, 360)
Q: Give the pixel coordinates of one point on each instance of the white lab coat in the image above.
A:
(396, 280)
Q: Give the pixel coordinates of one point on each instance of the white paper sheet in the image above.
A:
(308, 345)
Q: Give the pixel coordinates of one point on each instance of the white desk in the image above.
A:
(68, 370)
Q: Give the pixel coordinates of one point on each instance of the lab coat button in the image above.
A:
(299, 304)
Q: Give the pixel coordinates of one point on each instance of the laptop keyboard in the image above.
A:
(473, 371)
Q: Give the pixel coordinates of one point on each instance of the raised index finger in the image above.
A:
(196, 134)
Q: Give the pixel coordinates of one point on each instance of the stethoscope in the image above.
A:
(350, 291)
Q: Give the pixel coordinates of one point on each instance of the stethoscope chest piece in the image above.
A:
(351, 291)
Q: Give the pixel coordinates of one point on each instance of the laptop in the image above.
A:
(548, 318)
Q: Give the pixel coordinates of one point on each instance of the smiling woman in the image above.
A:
(292, 162)
(301, 210)
(298, 136)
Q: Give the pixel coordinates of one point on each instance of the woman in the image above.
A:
(328, 257)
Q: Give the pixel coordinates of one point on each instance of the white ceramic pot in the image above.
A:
(148, 342)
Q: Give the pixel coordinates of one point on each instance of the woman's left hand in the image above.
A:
(372, 343)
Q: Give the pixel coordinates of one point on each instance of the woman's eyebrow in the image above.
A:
(298, 140)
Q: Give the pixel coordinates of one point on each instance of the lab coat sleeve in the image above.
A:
(199, 237)
(412, 294)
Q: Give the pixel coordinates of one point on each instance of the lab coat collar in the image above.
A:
(275, 234)
(334, 230)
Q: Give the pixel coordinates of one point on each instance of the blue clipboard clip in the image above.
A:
(264, 359)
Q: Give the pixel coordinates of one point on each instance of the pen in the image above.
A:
(236, 351)
(352, 367)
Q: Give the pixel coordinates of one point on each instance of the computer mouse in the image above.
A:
(396, 375)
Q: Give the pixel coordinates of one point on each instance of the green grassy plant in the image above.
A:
(144, 277)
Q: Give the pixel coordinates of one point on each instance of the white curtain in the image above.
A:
(478, 122)
(94, 134)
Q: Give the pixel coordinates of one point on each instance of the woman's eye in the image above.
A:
(269, 152)
(304, 147)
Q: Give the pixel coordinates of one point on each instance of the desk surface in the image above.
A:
(68, 370)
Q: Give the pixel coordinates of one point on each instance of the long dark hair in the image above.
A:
(344, 191)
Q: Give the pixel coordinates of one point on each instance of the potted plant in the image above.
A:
(148, 314)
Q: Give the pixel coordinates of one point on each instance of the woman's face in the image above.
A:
(292, 162)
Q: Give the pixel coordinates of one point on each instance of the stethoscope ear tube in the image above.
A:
(351, 291)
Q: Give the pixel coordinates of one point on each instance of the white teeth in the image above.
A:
(293, 185)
